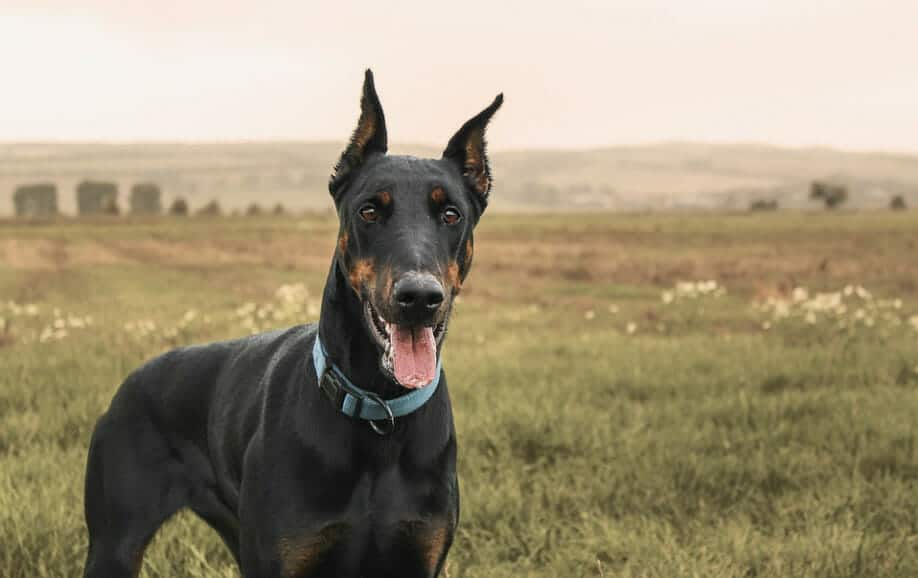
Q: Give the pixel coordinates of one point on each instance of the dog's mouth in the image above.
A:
(409, 354)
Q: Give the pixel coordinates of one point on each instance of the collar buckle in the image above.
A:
(331, 387)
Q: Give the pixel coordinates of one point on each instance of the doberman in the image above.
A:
(326, 449)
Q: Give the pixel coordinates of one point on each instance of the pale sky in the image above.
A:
(839, 73)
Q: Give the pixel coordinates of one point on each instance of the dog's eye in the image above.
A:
(451, 215)
(369, 213)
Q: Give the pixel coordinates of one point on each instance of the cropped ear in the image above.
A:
(369, 137)
(467, 148)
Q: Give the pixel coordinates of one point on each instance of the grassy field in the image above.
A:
(615, 417)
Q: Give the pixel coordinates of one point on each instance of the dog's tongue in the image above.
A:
(414, 355)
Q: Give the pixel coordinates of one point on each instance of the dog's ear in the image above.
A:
(467, 148)
(369, 138)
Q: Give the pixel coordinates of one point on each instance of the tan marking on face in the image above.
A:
(387, 283)
(438, 195)
(453, 279)
(342, 243)
(301, 554)
(385, 198)
(469, 251)
(362, 274)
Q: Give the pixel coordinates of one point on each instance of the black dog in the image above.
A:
(325, 449)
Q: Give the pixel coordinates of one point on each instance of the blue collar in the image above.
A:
(353, 401)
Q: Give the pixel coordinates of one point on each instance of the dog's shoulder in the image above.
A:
(191, 369)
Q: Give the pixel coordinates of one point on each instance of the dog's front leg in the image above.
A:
(289, 527)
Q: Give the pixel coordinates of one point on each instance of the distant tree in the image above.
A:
(279, 209)
(211, 209)
(764, 205)
(832, 195)
(898, 203)
(146, 199)
(97, 198)
(36, 200)
(179, 207)
(253, 211)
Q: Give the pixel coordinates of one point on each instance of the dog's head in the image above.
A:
(405, 242)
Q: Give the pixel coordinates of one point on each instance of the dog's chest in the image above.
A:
(389, 519)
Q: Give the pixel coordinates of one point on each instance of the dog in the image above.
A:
(326, 449)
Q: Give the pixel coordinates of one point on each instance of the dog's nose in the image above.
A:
(417, 295)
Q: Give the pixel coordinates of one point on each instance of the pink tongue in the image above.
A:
(414, 355)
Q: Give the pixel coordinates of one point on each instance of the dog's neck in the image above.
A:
(343, 332)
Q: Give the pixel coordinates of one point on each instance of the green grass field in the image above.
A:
(611, 421)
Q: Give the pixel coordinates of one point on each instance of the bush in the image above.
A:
(179, 207)
(146, 199)
(35, 200)
(211, 209)
(898, 203)
(763, 205)
(279, 209)
(832, 195)
(254, 210)
(97, 198)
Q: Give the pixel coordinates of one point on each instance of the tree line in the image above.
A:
(831, 195)
(101, 198)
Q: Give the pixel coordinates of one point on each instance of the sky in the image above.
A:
(575, 74)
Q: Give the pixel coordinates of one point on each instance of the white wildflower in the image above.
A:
(631, 328)
(589, 315)
(246, 309)
(613, 309)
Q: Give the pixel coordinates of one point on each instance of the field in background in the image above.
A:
(618, 413)
(650, 177)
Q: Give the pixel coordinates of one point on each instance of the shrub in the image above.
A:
(211, 209)
(97, 198)
(763, 205)
(832, 195)
(146, 199)
(35, 200)
(179, 207)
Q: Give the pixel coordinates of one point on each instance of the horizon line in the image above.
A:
(491, 147)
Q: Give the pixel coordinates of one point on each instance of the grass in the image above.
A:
(700, 444)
